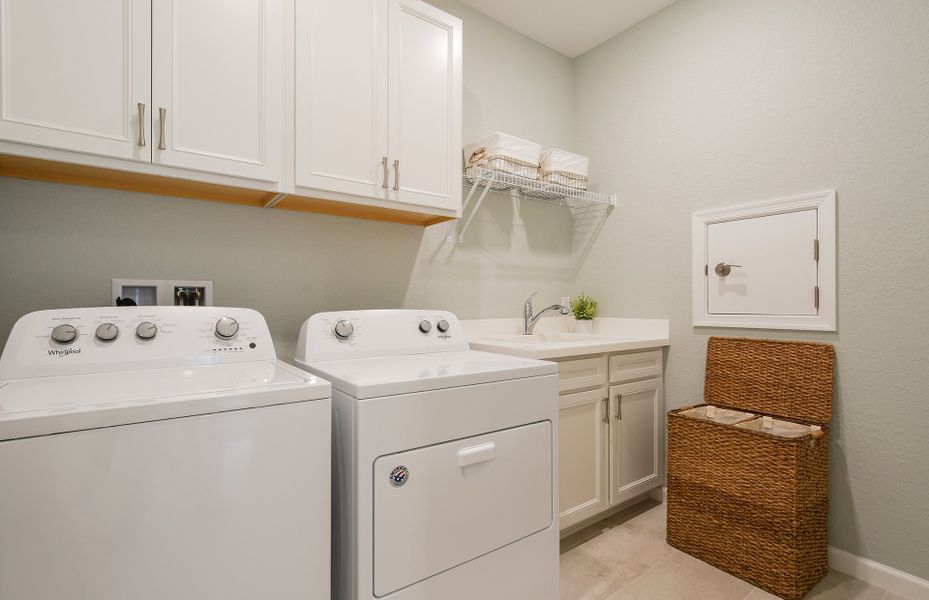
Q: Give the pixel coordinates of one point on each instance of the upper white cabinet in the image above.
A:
(769, 265)
(341, 96)
(77, 75)
(195, 84)
(378, 101)
(425, 105)
(217, 85)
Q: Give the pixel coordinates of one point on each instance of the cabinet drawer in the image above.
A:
(580, 374)
(635, 365)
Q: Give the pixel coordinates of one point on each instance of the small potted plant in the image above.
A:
(585, 309)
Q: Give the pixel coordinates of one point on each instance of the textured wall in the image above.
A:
(717, 102)
(61, 245)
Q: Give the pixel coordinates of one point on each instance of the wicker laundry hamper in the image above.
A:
(750, 502)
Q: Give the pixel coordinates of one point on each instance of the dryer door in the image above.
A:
(440, 506)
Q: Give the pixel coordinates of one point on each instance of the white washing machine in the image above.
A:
(444, 460)
(160, 452)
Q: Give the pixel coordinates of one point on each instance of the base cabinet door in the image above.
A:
(635, 437)
(218, 86)
(582, 456)
(77, 75)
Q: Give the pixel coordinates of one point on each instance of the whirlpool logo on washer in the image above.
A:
(399, 476)
(63, 353)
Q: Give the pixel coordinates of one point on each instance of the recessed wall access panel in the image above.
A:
(766, 265)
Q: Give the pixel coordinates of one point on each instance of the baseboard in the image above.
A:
(898, 582)
(659, 494)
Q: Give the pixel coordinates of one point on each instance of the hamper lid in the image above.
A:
(776, 377)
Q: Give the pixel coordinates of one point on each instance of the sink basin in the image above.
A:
(548, 338)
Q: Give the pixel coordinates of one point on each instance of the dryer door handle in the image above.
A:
(477, 454)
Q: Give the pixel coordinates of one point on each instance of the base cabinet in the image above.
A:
(635, 438)
(610, 437)
(582, 456)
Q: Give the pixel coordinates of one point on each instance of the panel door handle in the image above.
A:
(606, 410)
(384, 165)
(722, 269)
(477, 454)
(162, 116)
(396, 175)
(141, 106)
(619, 407)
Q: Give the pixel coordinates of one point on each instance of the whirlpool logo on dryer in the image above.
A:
(64, 352)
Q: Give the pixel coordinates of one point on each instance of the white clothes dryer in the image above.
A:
(160, 452)
(444, 460)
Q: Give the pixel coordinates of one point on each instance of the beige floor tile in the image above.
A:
(585, 576)
(834, 586)
(893, 596)
(683, 577)
(633, 538)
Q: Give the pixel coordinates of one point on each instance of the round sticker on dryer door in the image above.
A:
(399, 475)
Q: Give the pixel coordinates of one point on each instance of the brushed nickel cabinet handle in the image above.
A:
(397, 175)
(606, 410)
(162, 115)
(384, 165)
(619, 407)
(141, 106)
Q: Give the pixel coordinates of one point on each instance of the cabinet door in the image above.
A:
(425, 105)
(582, 456)
(635, 438)
(217, 79)
(73, 74)
(341, 96)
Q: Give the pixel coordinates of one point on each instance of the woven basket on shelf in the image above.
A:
(751, 503)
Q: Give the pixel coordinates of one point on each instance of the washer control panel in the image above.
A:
(94, 340)
(364, 333)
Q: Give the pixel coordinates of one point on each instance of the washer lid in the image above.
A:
(41, 406)
(391, 375)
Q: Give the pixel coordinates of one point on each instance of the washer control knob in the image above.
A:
(146, 330)
(64, 334)
(107, 332)
(425, 326)
(442, 326)
(343, 330)
(226, 328)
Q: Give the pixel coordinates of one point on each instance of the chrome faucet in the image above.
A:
(529, 319)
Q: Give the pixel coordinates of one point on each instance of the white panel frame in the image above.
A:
(825, 205)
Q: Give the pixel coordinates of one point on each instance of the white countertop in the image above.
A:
(553, 336)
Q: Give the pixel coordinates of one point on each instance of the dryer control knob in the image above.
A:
(343, 330)
(425, 326)
(226, 328)
(442, 326)
(107, 332)
(146, 330)
(64, 334)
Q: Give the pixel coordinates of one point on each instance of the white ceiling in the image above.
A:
(571, 27)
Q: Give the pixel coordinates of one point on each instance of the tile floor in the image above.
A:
(625, 557)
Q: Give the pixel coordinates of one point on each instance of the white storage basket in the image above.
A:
(564, 168)
(505, 153)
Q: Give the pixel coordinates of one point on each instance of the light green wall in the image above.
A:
(717, 102)
(61, 245)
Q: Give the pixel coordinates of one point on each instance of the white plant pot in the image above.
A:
(583, 326)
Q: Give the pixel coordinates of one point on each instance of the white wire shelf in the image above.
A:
(489, 180)
(499, 181)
